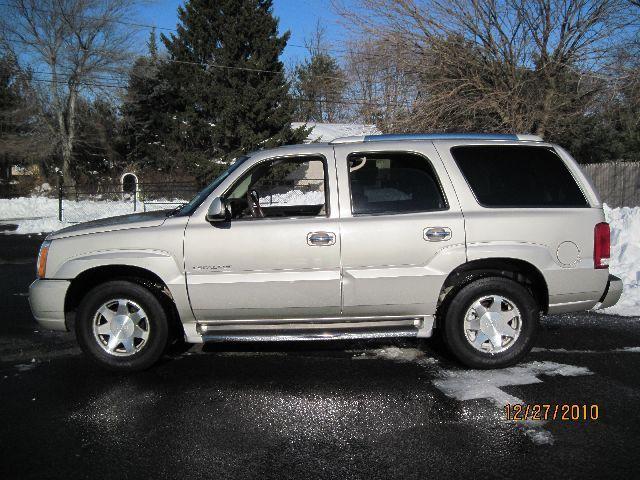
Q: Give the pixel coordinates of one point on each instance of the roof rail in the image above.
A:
(437, 136)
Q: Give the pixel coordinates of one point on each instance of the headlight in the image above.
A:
(42, 258)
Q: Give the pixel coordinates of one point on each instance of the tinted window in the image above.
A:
(393, 183)
(518, 176)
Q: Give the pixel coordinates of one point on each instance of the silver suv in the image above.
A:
(471, 236)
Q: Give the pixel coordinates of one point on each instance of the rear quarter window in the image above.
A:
(518, 176)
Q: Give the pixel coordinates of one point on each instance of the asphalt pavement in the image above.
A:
(336, 410)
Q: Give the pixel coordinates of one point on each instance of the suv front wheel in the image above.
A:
(491, 323)
(122, 326)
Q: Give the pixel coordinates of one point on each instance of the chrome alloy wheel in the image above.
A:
(121, 327)
(492, 324)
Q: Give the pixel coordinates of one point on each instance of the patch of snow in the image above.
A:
(564, 350)
(628, 350)
(397, 354)
(44, 188)
(625, 258)
(561, 350)
(477, 384)
(474, 384)
(326, 132)
(539, 436)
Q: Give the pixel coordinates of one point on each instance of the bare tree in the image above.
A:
(72, 46)
(507, 65)
(382, 90)
(319, 83)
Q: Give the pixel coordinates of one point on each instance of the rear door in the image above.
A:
(402, 229)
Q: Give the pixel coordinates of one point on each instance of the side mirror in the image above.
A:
(218, 211)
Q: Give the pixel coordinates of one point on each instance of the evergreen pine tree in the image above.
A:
(147, 123)
(319, 85)
(152, 45)
(227, 86)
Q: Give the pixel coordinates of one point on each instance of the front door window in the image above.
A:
(281, 188)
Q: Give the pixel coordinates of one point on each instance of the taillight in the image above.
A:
(601, 245)
(42, 259)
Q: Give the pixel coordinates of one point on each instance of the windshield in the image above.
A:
(201, 196)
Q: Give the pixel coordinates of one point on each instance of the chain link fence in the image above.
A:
(82, 203)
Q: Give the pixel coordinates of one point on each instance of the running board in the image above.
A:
(293, 336)
(315, 329)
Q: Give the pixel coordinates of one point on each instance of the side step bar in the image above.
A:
(293, 336)
(314, 329)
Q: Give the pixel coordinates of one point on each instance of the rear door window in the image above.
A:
(518, 176)
(392, 183)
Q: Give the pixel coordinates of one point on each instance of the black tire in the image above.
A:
(454, 332)
(153, 347)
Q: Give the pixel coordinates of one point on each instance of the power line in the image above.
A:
(358, 102)
(211, 64)
(217, 65)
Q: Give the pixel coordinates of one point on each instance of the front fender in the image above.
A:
(158, 262)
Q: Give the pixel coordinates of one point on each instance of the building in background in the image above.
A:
(326, 132)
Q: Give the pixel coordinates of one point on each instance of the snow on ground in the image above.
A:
(326, 132)
(40, 214)
(397, 354)
(625, 257)
(293, 197)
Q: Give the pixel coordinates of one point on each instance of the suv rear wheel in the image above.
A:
(491, 323)
(122, 326)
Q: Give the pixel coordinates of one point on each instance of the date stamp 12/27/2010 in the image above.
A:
(567, 412)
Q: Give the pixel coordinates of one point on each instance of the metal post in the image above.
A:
(135, 196)
(60, 195)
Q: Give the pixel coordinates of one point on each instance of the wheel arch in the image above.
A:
(88, 279)
(516, 269)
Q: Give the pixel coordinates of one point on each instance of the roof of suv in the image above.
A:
(436, 136)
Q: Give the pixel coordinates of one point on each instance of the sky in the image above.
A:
(297, 16)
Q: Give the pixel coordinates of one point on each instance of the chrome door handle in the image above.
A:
(321, 239)
(436, 234)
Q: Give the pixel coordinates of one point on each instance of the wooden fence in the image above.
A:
(618, 183)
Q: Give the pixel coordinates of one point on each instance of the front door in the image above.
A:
(402, 229)
(279, 255)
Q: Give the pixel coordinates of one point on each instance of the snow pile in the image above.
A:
(40, 214)
(326, 132)
(28, 207)
(625, 257)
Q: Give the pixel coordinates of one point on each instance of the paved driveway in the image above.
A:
(325, 410)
